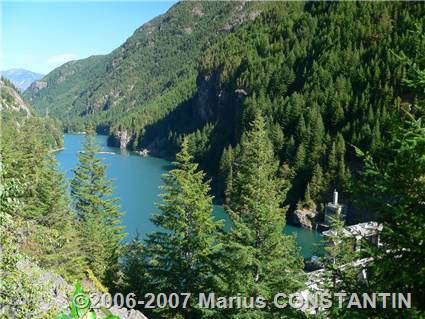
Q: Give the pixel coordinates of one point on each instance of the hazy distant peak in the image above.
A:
(21, 78)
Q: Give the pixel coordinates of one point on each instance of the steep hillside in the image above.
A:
(11, 100)
(325, 75)
(324, 79)
(16, 113)
(21, 78)
(160, 58)
(39, 242)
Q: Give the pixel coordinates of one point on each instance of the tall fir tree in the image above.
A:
(317, 182)
(226, 172)
(317, 136)
(259, 258)
(133, 266)
(54, 241)
(394, 187)
(98, 214)
(340, 273)
(50, 224)
(180, 255)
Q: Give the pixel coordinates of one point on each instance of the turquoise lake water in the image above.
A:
(136, 183)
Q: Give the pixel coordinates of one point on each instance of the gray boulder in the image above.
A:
(305, 218)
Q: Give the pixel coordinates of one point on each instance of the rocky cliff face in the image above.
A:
(119, 139)
(207, 97)
(58, 293)
(38, 85)
(10, 99)
(306, 218)
(217, 104)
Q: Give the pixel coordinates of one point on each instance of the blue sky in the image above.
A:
(40, 36)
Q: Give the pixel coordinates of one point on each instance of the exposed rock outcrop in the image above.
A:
(305, 218)
(11, 100)
(58, 291)
(119, 139)
(207, 97)
(38, 85)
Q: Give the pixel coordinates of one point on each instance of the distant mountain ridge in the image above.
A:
(21, 78)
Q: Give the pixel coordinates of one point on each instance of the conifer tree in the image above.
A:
(180, 255)
(316, 140)
(395, 188)
(340, 252)
(50, 224)
(300, 156)
(259, 258)
(290, 150)
(340, 146)
(307, 197)
(316, 183)
(54, 241)
(97, 212)
(301, 130)
(376, 136)
(133, 265)
(226, 172)
(277, 138)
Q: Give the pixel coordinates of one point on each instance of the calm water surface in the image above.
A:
(136, 183)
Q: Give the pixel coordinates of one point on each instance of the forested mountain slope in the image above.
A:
(160, 58)
(325, 75)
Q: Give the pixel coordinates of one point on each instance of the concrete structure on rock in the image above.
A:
(334, 209)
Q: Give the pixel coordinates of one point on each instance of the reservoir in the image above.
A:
(136, 181)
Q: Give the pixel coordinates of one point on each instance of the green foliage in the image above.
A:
(53, 239)
(259, 260)
(10, 191)
(97, 213)
(339, 275)
(48, 223)
(324, 78)
(179, 257)
(80, 307)
(118, 89)
(225, 174)
(20, 293)
(133, 268)
(394, 184)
